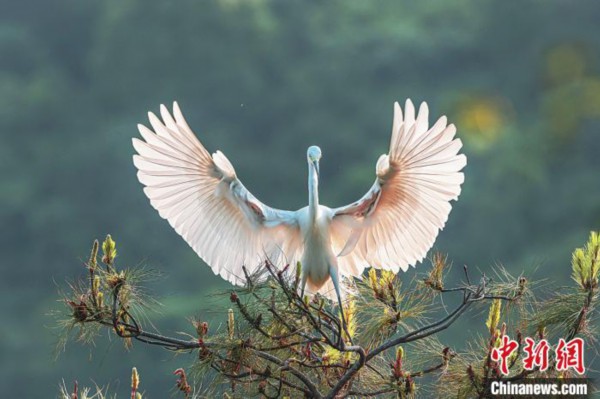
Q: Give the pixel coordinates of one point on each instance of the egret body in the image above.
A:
(391, 227)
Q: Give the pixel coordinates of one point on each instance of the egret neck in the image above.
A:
(313, 189)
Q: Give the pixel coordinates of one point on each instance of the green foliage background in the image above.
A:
(261, 80)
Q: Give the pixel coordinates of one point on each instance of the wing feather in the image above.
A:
(204, 201)
(394, 225)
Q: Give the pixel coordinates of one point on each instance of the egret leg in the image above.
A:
(303, 285)
(336, 283)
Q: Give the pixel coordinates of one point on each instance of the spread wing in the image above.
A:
(396, 222)
(204, 201)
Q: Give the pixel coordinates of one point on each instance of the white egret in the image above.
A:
(391, 227)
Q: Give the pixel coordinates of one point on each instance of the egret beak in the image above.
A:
(316, 165)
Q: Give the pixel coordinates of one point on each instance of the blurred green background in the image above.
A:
(261, 80)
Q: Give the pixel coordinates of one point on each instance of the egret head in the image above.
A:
(313, 155)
